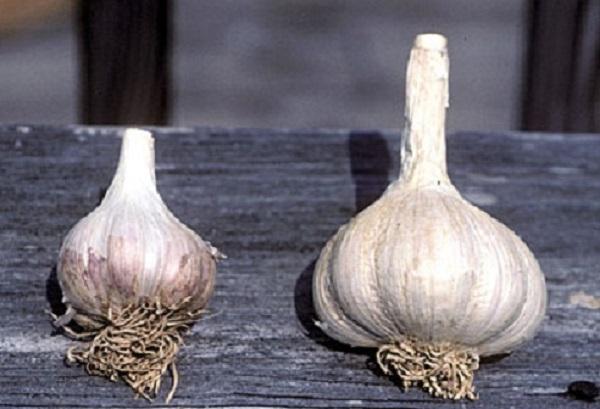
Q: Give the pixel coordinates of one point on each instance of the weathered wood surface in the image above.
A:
(269, 200)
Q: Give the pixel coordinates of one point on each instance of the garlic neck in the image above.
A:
(423, 141)
(135, 172)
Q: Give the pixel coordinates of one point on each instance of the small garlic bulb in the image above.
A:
(421, 274)
(133, 276)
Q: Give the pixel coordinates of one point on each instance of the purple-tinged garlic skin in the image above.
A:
(131, 248)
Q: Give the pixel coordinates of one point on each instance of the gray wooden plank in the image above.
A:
(269, 199)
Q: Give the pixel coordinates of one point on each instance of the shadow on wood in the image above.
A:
(370, 164)
(54, 297)
(307, 316)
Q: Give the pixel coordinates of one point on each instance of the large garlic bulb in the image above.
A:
(131, 266)
(422, 274)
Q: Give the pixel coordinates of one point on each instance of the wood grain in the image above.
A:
(269, 199)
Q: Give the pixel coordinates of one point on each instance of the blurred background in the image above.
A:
(515, 64)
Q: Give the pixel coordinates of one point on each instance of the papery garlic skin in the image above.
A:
(421, 263)
(131, 247)
(425, 263)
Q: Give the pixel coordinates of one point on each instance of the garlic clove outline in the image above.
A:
(422, 273)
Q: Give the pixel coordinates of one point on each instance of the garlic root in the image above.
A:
(442, 369)
(137, 345)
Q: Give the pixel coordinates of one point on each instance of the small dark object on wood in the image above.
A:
(583, 390)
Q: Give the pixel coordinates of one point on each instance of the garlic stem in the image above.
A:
(423, 142)
(136, 164)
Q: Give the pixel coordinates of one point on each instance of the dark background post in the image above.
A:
(562, 78)
(125, 58)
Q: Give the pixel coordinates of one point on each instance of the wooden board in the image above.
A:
(269, 199)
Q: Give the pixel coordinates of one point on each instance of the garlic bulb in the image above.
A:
(133, 276)
(421, 274)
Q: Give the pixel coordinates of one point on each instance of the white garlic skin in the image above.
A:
(422, 262)
(427, 264)
(131, 247)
